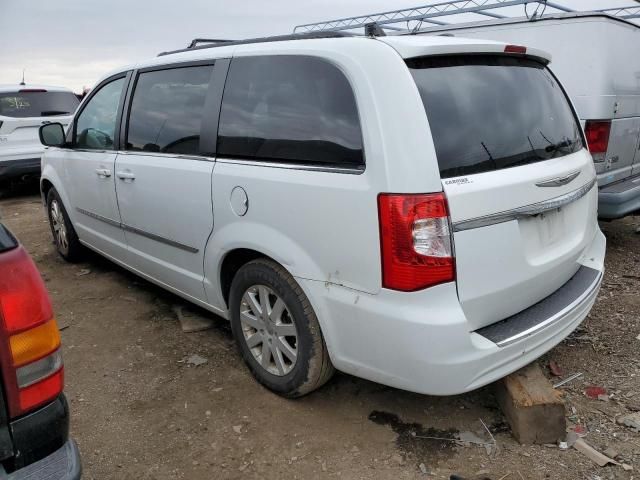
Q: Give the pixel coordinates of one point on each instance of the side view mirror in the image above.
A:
(52, 135)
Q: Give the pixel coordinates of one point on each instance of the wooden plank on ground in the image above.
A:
(533, 408)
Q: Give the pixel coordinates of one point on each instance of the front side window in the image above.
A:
(295, 109)
(489, 112)
(96, 124)
(166, 110)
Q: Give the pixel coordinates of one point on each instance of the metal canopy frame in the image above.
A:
(432, 14)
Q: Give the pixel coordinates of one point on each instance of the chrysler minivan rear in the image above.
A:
(502, 264)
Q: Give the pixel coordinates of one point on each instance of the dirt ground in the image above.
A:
(141, 411)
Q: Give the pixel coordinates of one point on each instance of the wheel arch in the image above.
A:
(235, 244)
(233, 261)
(50, 179)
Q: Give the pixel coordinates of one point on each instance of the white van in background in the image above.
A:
(597, 59)
(23, 109)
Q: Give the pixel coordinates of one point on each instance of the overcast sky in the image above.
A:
(74, 42)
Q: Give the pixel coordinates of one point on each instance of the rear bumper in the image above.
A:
(63, 464)
(12, 169)
(619, 199)
(421, 341)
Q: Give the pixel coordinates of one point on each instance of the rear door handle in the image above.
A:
(103, 172)
(126, 176)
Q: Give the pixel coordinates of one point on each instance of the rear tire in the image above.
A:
(284, 349)
(64, 235)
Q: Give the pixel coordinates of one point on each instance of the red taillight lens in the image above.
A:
(41, 392)
(597, 133)
(515, 49)
(24, 302)
(30, 352)
(415, 241)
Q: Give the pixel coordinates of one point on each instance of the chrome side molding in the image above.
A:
(137, 231)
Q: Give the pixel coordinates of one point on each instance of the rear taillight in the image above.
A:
(415, 241)
(597, 133)
(31, 356)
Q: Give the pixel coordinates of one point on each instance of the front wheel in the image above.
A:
(277, 331)
(64, 235)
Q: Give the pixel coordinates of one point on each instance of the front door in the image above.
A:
(89, 171)
(163, 179)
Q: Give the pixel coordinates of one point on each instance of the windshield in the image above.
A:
(489, 112)
(37, 104)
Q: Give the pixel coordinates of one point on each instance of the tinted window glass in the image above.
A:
(7, 242)
(292, 109)
(37, 104)
(166, 110)
(96, 124)
(492, 112)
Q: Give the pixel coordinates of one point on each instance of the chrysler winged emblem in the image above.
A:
(559, 181)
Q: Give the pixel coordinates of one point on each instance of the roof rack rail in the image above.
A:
(278, 38)
(196, 41)
(432, 14)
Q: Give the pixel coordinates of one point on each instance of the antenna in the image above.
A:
(22, 82)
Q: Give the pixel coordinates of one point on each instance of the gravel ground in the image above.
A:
(141, 411)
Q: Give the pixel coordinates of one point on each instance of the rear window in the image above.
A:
(487, 113)
(37, 104)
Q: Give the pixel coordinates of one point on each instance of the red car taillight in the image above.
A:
(415, 241)
(31, 357)
(597, 133)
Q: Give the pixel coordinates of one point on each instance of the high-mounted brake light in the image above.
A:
(32, 90)
(415, 241)
(31, 358)
(515, 49)
(597, 133)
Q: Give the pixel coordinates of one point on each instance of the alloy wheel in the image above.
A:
(59, 227)
(269, 330)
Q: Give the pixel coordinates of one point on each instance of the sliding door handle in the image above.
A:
(126, 176)
(103, 172)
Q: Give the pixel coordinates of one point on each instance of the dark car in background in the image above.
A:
(34, 415)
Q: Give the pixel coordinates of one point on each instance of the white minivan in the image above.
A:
(23, 109)
(417, 211)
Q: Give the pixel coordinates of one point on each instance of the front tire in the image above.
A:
(64, 235)
(277, 331)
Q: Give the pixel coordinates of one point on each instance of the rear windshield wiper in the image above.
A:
(554, 147)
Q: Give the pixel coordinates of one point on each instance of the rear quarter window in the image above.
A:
(489, 112)
(292, 109)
